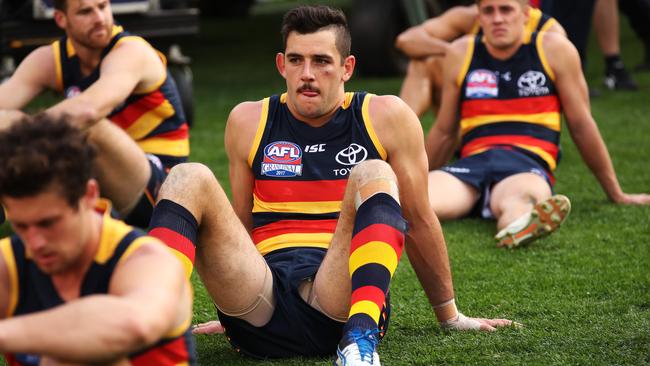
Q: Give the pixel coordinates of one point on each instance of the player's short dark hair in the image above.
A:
(310, 19)
(523, 2)
(60, 4)
(41, 152)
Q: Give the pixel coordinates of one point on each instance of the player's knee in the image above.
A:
(371, 177)
(191, 177)
(371, 170)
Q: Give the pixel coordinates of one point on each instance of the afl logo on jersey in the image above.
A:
(72, 91)
(482, 83)
(282, 159)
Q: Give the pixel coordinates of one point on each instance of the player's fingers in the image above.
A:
(486, 327)
(211, 327)
(501, 323)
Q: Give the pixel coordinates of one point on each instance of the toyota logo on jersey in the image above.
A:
(282, 159)
(352, 155)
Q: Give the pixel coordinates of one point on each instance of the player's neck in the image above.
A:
(320, 120)
(503, 53)
(89, 58)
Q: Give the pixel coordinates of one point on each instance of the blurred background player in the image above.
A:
(504, 95)
(106, 73)
(426, 44)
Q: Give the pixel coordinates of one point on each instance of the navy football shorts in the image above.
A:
(482, 171)
(295, 328)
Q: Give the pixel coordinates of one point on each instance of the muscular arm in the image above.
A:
(434, 35)
(132, 66)
(443, 135)
(240, 132)
(399, 131)
(35, 73)
(148, 295)
(574, 97)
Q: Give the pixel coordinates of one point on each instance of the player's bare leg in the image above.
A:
(450, 197)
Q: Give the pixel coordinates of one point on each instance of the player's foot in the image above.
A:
(620, 79)
(545, 218)
(358, 347)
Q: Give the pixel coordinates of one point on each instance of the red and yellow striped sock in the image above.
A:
(175, 226)
(375, 251)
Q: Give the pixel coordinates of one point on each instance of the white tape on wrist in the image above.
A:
(461, 322)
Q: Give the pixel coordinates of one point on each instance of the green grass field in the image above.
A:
(583, 293)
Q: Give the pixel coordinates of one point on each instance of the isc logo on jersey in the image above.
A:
(482, 83)
(282, 159)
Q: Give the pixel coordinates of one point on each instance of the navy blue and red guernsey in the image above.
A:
(153, 118)
(301, 171)
(510, 104)
(31, 291)
(537, 22)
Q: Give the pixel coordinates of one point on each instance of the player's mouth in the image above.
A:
(308, 91)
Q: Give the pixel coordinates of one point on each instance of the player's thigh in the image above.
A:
(450, 197)
(228, 262)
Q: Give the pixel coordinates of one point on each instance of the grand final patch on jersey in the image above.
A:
(482, 83)
(282, 159)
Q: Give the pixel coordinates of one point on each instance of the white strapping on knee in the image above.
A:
(262, 308)
(393, 191)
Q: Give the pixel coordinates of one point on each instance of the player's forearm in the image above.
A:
(79, 110)
(9, 117)
(418, 44)
(93, 329)
(427, 253)
(439, 148)
(595, 154)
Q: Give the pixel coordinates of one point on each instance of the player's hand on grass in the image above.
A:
(633, 199)
(461, 322)
(211, 327)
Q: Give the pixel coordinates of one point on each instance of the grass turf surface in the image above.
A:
(583, 293)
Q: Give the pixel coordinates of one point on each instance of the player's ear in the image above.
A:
(279, 63)
(92, 193)
(349, 64)
(60, 19)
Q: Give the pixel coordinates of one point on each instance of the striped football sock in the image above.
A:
(175, 226)
(375, 251)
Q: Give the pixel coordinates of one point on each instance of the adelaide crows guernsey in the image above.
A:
(32, 291)
(153, 118)
(301, 171)
(509, 104)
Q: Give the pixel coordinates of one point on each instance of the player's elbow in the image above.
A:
(138, 332)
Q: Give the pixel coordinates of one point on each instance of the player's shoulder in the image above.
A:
(244, 120)
(136, 48)
(554, 41)
(459, 47)
(41, 56)
(246, 111)
(387, 110)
